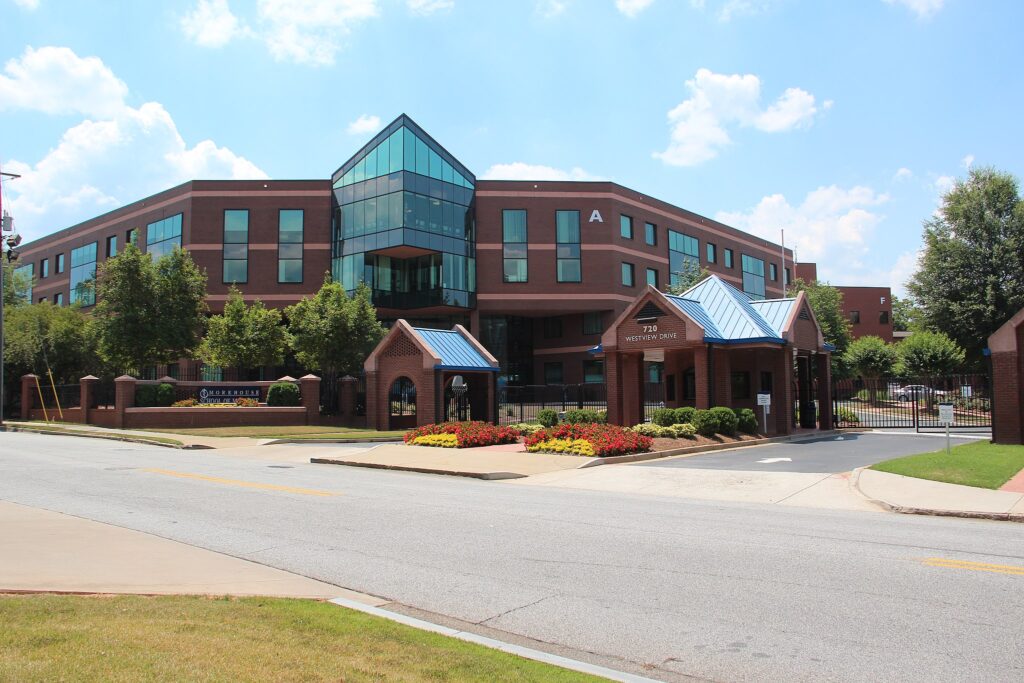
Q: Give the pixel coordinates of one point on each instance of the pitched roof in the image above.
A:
(455, 351)
(729, 316)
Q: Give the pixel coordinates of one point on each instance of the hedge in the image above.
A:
(283, 394)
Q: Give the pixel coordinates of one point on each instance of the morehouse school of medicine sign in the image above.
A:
(227, 394)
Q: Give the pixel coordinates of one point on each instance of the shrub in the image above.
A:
(164, 394)
(602, 416)
(466, 434)
(727, 420)
(683, 430)
(664, 417)
(685, 415)
(145, 395)
(185, 403)
(283, 394)
(437, 440)
(747, 420)
(705, 422)
(527, 428)
(246, 402)
(649, 429)
(547, 417)
(847, 415)
(604, 440)
(585, 417)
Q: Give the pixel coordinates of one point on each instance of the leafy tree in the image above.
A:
(680, 281)
(333, 332)
(244, 336)
(871, 358)
(38, 337)
(149, 312)
(970, 278)
(929, 354)
(827, 303)
(16, 285)
(906, 314)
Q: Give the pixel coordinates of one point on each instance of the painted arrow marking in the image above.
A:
(769, 461)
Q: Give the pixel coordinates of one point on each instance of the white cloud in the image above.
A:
(310, 31)
(523, 171)
(699, 123)
(631, 8)
(903, 173)
(119, 155)
(924, 9)
(364, 124)
(832, 226)
(549, 9)
(944, 183)
(429, 6)
(731, 9)
(54, 80)
(211, 24)
(967, 161)
(27, 4)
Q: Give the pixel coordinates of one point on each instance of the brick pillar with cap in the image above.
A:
(309, 390)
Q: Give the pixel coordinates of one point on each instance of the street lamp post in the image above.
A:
(6, 225)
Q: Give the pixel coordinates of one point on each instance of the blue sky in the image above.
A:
(841, 122)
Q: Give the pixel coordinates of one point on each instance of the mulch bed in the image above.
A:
(661, 444)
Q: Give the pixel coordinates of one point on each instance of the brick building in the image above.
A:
(868, 309)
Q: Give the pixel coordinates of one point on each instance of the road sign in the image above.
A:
(946, 413)
(764, 399)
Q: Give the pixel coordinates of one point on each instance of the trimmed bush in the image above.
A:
(154, 395)
(685, 415)
(649, 429)
(547, 417)
(727, 420)
(664, 417)
(683, 430)
(705, 422)
(847, 415)
(584, 417)
(283, 394)
(747, 420)
(527, 428)
(164, 395)
(602, 417)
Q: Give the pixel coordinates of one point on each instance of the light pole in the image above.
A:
(12, 241)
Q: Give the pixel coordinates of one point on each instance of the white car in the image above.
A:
(916, 391)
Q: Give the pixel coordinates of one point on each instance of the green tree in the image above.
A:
(149, 312)
(16, 285)
(970, 279)
(871, 358)
(827, 303)
(41, 337)
(906, 314)
(929, 354)
(244, 336)
(680, 281)
(333, 332)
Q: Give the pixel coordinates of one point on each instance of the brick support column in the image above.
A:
(722, 394)
(88, 389)
(780, 421)
(1007, 398)
(309, 390)
(613, 387)
(124, 398)
(28, 390)
(347, 396)
(702, 381)
(824, 371)
(376, 416)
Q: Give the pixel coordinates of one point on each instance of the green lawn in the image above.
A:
(978, 463)
(297, 432)
(174, 638)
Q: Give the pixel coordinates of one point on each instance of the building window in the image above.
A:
(44, 268)
(727, 258)
(592, 323)
(132, 237)
(753, 276)
(652, 277)
(785, 274)
(627, 274)
(766, 382)
(28, 272)
(289, 245)
(740, 385)
(593, 371)
(83, 275)
(552, 373)
(567, 247)
(855, 317)
(163, 236)
(60, 263)
(773, 272)
(552, 328)
(112, 246)
(42, 299)
(513, 228)
(58, 299)
(711, 252)
(626, 226)
(651, 233)
(883, 317)
(683, 256)
(236, 246)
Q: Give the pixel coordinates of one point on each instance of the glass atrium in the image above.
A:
(403, 222)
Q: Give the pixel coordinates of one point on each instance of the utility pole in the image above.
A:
(6, 225)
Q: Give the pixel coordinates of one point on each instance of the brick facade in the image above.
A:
(1007, 349)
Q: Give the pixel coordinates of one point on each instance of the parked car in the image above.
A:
(913, 392)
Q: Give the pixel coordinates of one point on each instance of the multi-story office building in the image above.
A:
(537, 270)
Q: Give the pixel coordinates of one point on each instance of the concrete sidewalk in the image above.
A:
(921, 496)
(51, 552)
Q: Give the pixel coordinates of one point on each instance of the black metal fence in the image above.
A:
(913, 403)
(522, 403)
(50, 397)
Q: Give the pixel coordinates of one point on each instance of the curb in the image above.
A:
(97, 435)
(932, 512)
(378, 439)
(488, 476)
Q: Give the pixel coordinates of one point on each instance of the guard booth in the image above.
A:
(719, 347)
(418, 376)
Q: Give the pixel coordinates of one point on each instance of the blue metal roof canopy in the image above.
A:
(730, 316)
(455, 351)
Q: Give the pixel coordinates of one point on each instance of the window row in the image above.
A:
(404, 209)
(592, 324)
(883, 317)
(403, 150)
(593, 372)
(408, 275)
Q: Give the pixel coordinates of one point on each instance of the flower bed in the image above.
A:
(461, 435)
(588, 439)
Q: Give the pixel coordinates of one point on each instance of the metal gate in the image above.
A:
(457, 403)
(913, 403)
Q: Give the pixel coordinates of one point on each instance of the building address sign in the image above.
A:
(649, 333)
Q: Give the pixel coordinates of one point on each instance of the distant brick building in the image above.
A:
(868, 309)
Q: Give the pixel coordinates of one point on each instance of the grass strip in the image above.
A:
(282, 432)
(114, 436)
(139, 638)
(979, 463)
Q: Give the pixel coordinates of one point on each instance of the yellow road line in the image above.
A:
(1013, 570)
(246, 484)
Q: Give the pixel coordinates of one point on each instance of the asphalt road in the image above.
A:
(668, 587)
(830, 454)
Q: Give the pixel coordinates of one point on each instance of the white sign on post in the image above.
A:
(946, 413)
(764, 399)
